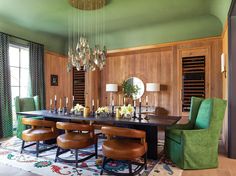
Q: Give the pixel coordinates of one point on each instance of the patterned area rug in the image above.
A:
(45, 165)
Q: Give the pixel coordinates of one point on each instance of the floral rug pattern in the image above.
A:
(45, 165)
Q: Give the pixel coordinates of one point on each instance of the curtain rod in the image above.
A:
(21, 38)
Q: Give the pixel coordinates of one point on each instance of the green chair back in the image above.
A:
(204, 114)
(27, 104)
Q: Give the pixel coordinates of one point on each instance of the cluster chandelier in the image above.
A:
(86, 19)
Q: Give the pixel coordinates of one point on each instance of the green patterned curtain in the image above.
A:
(37, 72)
(5, 89)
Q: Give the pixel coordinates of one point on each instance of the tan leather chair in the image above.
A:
(77, 136)
(123, 144)
(41, 130)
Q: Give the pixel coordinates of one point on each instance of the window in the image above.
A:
(19, 70)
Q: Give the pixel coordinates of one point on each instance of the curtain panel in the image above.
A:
(5, 88)
(37, 72)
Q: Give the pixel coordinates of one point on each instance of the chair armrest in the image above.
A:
(74, 126)
(38, 123)
(186, 126)
(123, 132)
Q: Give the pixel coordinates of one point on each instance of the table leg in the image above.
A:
(151, 137)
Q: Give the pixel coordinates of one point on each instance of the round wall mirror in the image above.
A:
(138, 83)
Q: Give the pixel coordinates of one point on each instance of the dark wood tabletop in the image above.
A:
(153, 120)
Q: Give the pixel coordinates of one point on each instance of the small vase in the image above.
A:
(128, 100)
(80, 113)
(102, 114)
(127, 116)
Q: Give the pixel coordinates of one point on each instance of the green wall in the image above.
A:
(51, 42)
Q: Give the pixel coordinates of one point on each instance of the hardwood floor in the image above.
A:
(227, 167)
(8, 171)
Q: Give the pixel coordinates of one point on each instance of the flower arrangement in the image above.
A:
(102, 110)
(127, 110)
(77, 108)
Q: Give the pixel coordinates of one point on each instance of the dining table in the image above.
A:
(148, 123)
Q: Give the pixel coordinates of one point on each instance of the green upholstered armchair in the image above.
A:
(25, 104)
(195, 145)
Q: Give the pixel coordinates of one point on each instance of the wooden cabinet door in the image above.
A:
(193, 75)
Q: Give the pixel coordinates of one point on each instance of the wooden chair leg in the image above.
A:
(37, 148)
(96, 150)
(22, 146)
(76, 158)
(130, 168)
(58, 150)
(103, 164)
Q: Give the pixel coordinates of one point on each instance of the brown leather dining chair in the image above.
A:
(126, 145)
(76, 136)
(41, 130)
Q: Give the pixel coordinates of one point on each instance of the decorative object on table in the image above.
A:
(86, 111)
(195, 145)
(54, 80)
(60, 106)
(55, 105)
(111, 88)
(65, 105)
(146, 103)
(118, 115)
(153, 88)
(50, 106)
(77, 110)
(127, 111)
(82, 53)
(73, 101)
(140, 109)
(102, 111)
(135, 110)
(93, 108)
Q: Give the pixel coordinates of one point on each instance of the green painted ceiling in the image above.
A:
(128, 22)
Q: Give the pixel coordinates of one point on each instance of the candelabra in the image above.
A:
(140, 110)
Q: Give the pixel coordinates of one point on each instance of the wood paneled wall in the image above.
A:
(160, 64)
(93, 88)
(156, 63)
(55, 64)
(157, 66)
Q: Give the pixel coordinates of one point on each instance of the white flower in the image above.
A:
(126, 110)
(102, 109)
(78, 108)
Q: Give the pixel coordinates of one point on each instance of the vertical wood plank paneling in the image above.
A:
(55, 64)
(161, 65)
